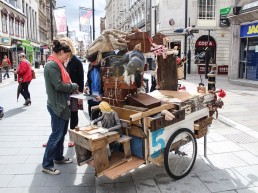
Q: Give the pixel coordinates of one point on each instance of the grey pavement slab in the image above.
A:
(230, 165)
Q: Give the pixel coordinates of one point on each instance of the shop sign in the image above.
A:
(249, 30)
(224, 21)
(202, 43)
(223, 69)
(5, 41)
(225, 11)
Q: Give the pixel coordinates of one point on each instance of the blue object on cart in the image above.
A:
(1, 112)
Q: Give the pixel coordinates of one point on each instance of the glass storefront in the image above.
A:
(248, 61)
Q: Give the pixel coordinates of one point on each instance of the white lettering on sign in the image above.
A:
(205, 43)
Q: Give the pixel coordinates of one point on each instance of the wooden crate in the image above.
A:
(167, 73)
(120, 94)
(113, 82)
(139, 37)
(143, 100)
(201, 126)
(160, 122)
(114, 102)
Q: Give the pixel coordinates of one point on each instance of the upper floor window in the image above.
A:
(17, 23)
(13, 2)
(206, 9)
(11, 20)
(22, 28)
(4, 20)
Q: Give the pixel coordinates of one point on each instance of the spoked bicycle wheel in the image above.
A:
(180, 153)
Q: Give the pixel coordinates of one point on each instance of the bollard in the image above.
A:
(0, 75)
(15, 75)
(212, 79)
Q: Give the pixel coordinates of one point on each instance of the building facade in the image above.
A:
(210, 32)
(212, 29)
(244, 43)
(124, 14)
(19, 25)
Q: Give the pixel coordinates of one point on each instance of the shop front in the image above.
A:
(248, 61)
(203, 44)
(243, 67)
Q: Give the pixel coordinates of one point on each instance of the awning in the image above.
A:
(244, 17)
(7, 47)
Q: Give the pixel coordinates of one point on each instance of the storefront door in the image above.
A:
(252, 59)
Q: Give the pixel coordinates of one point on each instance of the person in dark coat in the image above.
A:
(74, 68)
(94, 85)
(76, 73)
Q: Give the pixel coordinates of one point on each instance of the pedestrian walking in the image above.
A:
(6, 65)
(75, 70)
(24, 78)
(58, 88)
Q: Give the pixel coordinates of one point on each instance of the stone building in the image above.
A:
(19, 28)
(208, 16)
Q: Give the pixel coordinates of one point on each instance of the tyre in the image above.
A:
(180, 153)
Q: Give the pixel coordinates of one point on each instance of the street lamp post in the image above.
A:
(51, 20)
(155, 18)
(185, 46)
(207, 54)
(93, 20)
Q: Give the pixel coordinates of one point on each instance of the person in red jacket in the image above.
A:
(24, 77)
(6, 64)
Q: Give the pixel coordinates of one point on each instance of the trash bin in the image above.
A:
(0, 74)
(36, 64)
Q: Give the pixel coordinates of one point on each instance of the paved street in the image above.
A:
(231, 165)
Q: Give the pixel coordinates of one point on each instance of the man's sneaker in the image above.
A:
(51, 171)
(64, 161)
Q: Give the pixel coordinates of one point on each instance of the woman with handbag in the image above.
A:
(24, 78)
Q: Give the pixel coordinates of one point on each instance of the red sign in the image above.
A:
(223, 69)
(202, 43)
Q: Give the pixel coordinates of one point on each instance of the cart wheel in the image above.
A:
(180, 153)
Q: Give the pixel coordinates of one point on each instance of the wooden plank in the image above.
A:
(124, 113)
(100, 159)
(82, 155)
(127, 149)
(159, 161)
(150, 112)
(142, 109)
(146, 140)
(167, 73)
(137, 132)
(123, 168)
(124, 139)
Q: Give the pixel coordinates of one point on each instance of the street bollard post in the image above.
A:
(212, 79)
(0, 75)
(15, 75)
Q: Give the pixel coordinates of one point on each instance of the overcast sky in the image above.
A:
(72, 12)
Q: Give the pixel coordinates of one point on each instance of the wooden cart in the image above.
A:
(148, 137)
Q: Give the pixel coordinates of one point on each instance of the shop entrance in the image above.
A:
(201, 45)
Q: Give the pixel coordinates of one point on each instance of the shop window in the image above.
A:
(11, 21)
(22, 29)
(4, 20)
(17, 27)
